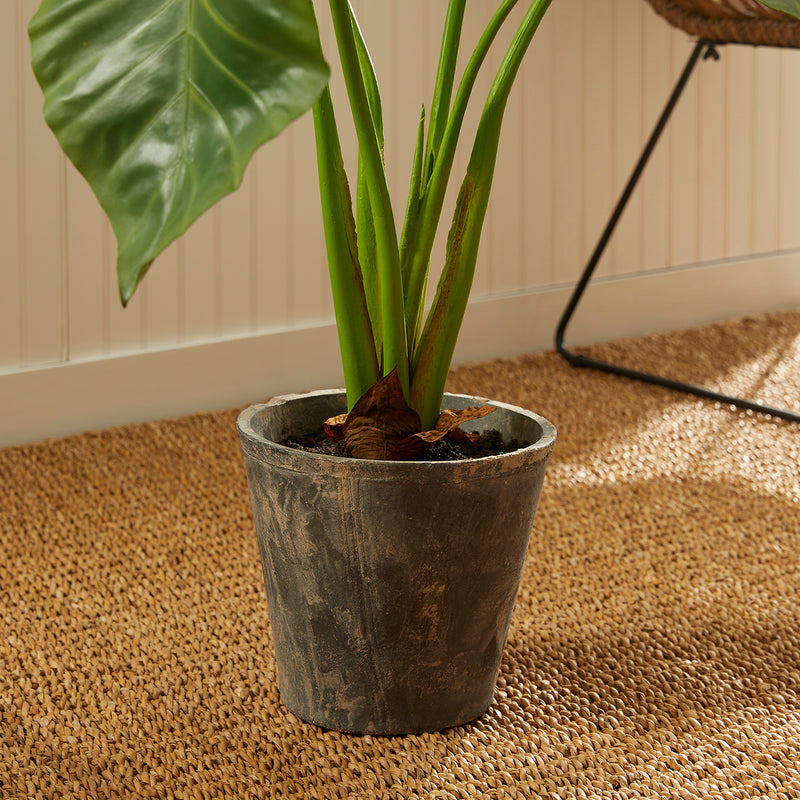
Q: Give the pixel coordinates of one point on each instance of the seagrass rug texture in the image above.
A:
(654, 650)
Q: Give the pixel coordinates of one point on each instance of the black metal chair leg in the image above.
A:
(706, 49)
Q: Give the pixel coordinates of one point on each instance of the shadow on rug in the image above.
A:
(654, 650)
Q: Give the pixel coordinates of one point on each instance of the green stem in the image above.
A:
(425, 157)
(395, 349)
(365, 222)
(413, 326)
(445, 76)
(359, 360)
(444, 321)
(417, 258)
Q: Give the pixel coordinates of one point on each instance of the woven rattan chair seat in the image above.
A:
(734, 21)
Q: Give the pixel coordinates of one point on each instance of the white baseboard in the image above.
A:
(631, 306)
(70, 398)
(86, 395)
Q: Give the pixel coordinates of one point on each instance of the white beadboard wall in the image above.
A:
(240, 308)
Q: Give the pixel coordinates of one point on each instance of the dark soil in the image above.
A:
(490, 443)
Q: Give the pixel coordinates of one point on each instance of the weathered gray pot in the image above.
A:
(390, 585)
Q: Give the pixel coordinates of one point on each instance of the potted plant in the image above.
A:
(390, 578)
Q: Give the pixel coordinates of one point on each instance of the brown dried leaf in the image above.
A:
(457, 435)
(407, 448)
(380, 421)
(334, 427)
(450, 419)
(382, 426)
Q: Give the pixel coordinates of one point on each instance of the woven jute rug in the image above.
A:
(654, 650)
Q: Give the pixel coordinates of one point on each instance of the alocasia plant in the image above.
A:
(161, 103)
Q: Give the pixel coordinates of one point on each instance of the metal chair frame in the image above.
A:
(703, 50)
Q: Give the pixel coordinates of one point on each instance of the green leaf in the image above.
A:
(368, 254)
(161, 103)
(387, 252)
(788, 6)
(408, 238)
(445, 75)
(365, 221)
(370, 79)
(356, 342)
(437, 344)
(435, 187)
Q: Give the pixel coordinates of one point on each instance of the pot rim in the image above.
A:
(259, 446)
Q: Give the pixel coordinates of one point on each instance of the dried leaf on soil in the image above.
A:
(382, 426)
(380, 421)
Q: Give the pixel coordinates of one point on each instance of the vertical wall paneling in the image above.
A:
(538, 164)
(252, 243)
(41, 210)
(600, 186)
(495, 227)
(269, 189)
(163, 319)
(658, 80)
(712, 160)
(415, 48)
(766, 151)
(85, 262)
(324, 302)
(504, 257)
(124, 328)
(740, 64)
(567, 111)
(494, 270)
(198, 251)
(412, 85)
(684, 162)
(492, 265)
(625, 251)
(789, 153)
(475, 20)
(236, 259)
(379, 27)
(308, 279)
(12, 67)
(63, 171)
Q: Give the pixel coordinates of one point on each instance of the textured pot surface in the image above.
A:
(390, 585)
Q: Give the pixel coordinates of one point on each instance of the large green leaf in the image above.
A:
(161, 103)
(789, 6)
